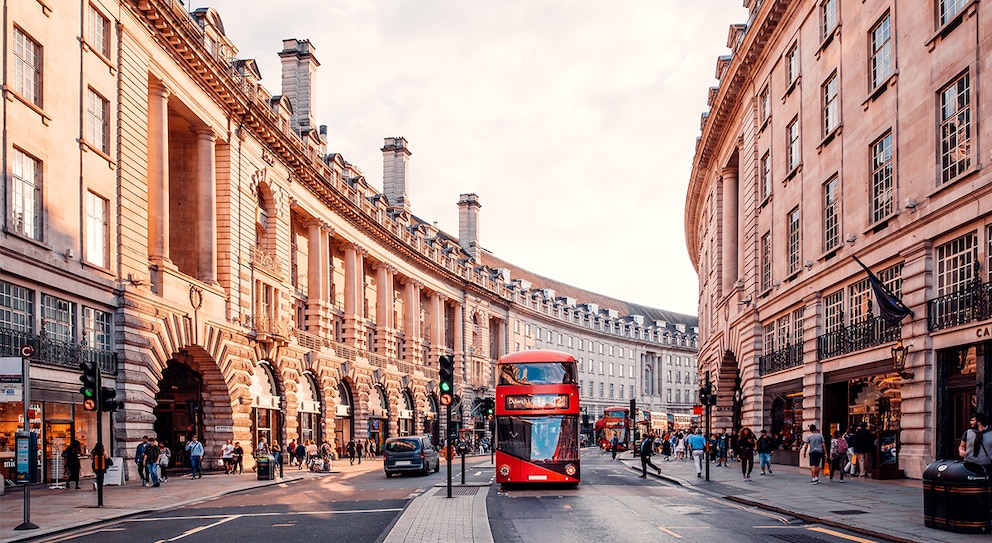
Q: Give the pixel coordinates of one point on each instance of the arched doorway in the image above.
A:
(179, 408)
(308, 410)
(406, 414)
(431, 426)
(378, 416)
(344, 427)
(265, 398)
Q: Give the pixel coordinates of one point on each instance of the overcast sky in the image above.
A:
(574, 121)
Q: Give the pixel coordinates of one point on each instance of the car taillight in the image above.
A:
(422, 457)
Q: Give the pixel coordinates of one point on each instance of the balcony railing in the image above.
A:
(51, 352)
(848, 339)
(785, 358)
(967, 305)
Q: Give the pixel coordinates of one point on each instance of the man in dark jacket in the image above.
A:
(647, 448)
(864, 448)
(152, 453)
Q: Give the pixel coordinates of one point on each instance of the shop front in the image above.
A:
(963, 388)
(785, 403)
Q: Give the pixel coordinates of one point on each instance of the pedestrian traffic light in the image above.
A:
(108, 401)
(90, 379)
(446, 375)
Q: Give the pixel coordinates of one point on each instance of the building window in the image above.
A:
(792, 133)
(881, 51)
(881, 178)
(611, 391)
(601, 389)
(58, 318)
(956, 264)
(98, 32)
(783, 333)
(620, 370)
(794, 239)
(25, 197)
(766, 175)
(831, 105)
(950, 8)
(669, 395)
(97, 328)
(797, 325)
(27, 67)
(858, 299)
(16, 308)
(97, 121)
(669, 376)
(766, 261)
(792, 65)
(831, 215)
(678, 396)
(955, 128)
(765, 105)
(833, 311)
(601, 367)
(611, 369)
(97, 231)
(828, 16)
(769, 336)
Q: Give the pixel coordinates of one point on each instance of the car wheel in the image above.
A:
(388, 475)
(437, 467)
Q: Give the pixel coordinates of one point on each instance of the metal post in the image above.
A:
(26, 352)
(709, 409)
(449, 454)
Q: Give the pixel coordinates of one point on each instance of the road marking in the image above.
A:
(197, 530)
(669, 532)
(266, 514)
(751, 509)
(840, 535)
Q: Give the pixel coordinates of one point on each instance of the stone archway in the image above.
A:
(178, 408)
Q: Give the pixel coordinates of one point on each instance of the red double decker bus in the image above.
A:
(615, 422)
(537, 418)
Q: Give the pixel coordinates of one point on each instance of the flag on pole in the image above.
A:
(890, 307)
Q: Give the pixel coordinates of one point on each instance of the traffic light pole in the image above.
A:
(449, 451)
(709, 410)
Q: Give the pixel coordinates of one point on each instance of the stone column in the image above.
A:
(729, 242)
(206, 231)
(158, 173)
(315, 258)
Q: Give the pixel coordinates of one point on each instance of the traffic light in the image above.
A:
(108, 403)
(488, 407)
(706, 396)
(91, 385)
(446, 375)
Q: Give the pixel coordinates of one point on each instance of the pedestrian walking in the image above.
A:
(351, 452)
(72, 465)
(164, 457)
(697, 443)
(152, 453)
(276, 451)
(766, 446)
(722, 444)
(291, 452)
(139, 459)
(813, 445)
(301, 453)
(864, 448)
(744, 448)
(100, 463)
(679, 446)
(976, 443)
(227, 455)
(647, 448)
(613, 446)
(359, 450)
(838, 455)
(238, 457)
(195, 450)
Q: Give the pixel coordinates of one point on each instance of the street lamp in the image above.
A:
(899, 354)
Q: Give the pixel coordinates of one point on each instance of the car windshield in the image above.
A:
(401, 445)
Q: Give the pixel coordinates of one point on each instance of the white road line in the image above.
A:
(202, 528)
(266, 514)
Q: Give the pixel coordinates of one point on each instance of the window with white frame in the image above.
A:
(97, 121)
(619, 370)
(955, 128)
(611, 369)
(766, 261)
(98, 31)
(620, 390)
(668, 376)
(833, 311)
(669, 395)
(783, 332)
(948, 9)
(880, 62)
(27, 67)
(58, 318)
(97, 230)
(831, 214)
(828, 18)
(792, 64)
(25, 196)
(16, 308)
(858, 300)
(769, 337)
(831, 105)
(793, 157)
(797, 325)
(765, 173)
(794, 240)
(602, 367)
(601, 387)
(97, 328)
(764, 104)
(881, 178)
(956, 263)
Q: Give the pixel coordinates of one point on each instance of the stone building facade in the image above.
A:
(173, 220)
(825, 142)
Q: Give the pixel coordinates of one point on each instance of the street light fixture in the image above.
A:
(900, 353)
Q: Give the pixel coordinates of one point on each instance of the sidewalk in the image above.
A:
(889, 510)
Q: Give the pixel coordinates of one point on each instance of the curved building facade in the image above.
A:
(170, 219)
(826, 144)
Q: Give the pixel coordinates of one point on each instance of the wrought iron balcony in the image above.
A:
(785, 358)
(872, 332)
(970, 304)
(51, 352)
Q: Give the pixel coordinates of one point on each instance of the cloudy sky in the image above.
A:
(574, 121)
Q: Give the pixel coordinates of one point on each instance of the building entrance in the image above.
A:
(179, 409)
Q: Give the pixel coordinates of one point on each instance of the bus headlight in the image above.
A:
(504, 470)
(570, 470)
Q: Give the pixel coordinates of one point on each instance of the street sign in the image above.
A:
(27, 351)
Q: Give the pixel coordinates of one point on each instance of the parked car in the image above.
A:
(410, 454)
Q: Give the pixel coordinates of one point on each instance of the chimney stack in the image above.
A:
(299, 70)
(468, 224)
(396, 172)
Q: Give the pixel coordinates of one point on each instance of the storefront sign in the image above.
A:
(983, 331)
(115, 473)
(11, 392)
(11, 369)
(223, 428)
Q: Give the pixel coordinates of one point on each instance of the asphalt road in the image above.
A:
(613, 504)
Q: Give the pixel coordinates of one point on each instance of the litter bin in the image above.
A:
(956, 497)
(265, 467)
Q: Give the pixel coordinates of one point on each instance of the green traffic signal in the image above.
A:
(90, 380)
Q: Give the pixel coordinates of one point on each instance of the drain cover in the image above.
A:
(458, 491)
